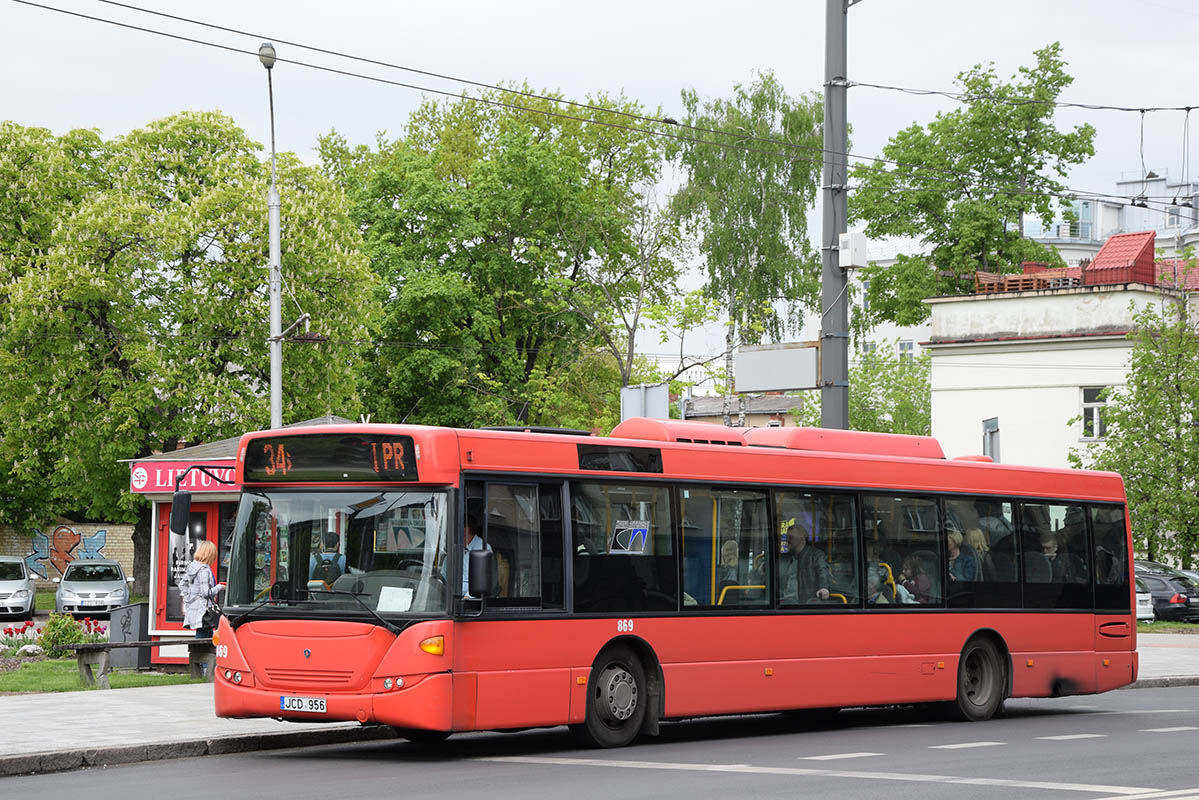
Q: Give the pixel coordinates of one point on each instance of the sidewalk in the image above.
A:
(68, 730)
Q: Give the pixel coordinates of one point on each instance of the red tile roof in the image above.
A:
(1178, 273)
(1124, 250)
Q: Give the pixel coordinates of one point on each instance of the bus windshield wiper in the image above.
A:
(388, 625)
(234, 622)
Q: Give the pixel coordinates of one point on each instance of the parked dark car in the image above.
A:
(1174, 598)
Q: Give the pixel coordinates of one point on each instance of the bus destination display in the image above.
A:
(330, 458)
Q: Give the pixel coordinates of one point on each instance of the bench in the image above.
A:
(95, 654)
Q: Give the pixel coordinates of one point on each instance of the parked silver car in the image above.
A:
(91, 587)
(16, 589)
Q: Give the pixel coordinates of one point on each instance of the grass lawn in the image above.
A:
(1167, 627)
(60, 675)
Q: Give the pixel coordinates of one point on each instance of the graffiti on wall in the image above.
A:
(61, 547)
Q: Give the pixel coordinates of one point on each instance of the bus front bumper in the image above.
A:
(424, 702)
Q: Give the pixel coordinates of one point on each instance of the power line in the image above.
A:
(968, 97)
(952, 178)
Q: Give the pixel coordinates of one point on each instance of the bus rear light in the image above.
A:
(434, 645)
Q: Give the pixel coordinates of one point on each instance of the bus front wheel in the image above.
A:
(981, 681)
(616, 699)
(419, 736)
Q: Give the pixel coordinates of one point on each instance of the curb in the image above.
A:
(64, 760)
(1164, 683)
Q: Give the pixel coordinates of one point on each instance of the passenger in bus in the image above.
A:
(327, 565)
(915, 580)
(804, 573)
(977, 541)
(728, 563)
(963, 562)
(1063, 564)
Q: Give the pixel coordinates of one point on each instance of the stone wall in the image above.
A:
(48, 551)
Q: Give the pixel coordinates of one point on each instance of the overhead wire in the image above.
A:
(952, 178)
(1019, 101)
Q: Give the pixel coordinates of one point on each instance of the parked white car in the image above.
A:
(92, 586)
(16, 589)
(1144, 603)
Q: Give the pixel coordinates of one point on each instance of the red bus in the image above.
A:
(440, 580)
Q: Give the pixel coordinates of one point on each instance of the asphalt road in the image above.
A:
(1137, 745)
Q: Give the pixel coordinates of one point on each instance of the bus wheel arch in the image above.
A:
(624, 694)
(984, 677)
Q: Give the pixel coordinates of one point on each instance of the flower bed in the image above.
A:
(27, 640)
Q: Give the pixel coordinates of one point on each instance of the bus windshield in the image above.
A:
(336, 551)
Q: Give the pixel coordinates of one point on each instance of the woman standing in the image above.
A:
(200, 589)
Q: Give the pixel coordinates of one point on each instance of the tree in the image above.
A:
(511, 245)
(748, 204)
(139, 317)
(888, 393)
(963, 184)
(1152, 434)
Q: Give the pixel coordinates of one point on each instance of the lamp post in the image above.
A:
(266, 54)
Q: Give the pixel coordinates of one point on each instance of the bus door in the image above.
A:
(520, 682)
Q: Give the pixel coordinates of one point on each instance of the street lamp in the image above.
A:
(266, 54)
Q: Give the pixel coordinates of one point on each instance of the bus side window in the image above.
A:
(725, 539)
(1111, 561)
(623, 553)
(524, 530)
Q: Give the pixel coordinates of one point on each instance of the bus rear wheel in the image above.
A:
(616, 699)
(981, 681)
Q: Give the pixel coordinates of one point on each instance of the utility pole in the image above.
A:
(266, 54)
(834, 303)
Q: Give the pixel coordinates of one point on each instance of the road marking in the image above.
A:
(1170, 730)
(834, 756)
(1176, 794)
(748, 769)
(912, 725)
(1074, 736)
(964, 745)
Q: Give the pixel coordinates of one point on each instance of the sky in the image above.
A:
(66, 72)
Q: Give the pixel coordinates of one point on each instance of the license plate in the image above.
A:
(308, 705)
(95, 603)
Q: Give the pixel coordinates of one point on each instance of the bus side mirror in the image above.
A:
(181, 506)
(481, 577)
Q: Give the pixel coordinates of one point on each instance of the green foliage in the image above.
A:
(510, 246)
(964, 183)
(61, 630)
(749, 205)
(138, 317)
(888, 393)
(1153, 434)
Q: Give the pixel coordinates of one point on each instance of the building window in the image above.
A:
(991, 438)
(1093, 404)
(868, 347)
(907, 349)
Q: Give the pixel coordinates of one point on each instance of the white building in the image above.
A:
(1017, 375)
